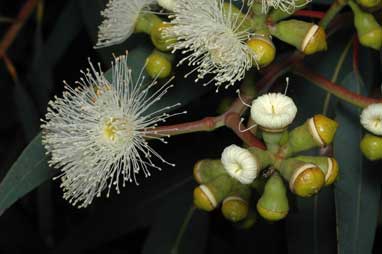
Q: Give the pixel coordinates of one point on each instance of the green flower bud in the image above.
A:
(158, 65)
(328, 165)
(235, 205)
(263, 49)
(273, 204)
(305, 179)
(208, 196)
(207, 170)
(236, 15)
(249, 221)
(157, 38)
(369, 3)
(146, 22)
(368, 29)
(317, 131)
(371, 147)
(306, 37)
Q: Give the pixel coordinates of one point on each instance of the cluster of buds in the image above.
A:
(215, 36)
(229, 181)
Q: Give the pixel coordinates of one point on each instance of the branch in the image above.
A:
(333, 88)
(334, 9)
(310, 14)
(12, 32)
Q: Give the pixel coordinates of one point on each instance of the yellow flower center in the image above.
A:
(109, 130)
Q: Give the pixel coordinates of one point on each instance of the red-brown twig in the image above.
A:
(310, 14)
(333, 88)
(12, 32)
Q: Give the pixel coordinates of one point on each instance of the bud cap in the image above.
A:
(371, 118)
(273, 111)
(240, 164)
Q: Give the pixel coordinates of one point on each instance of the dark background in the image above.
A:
(142, 219)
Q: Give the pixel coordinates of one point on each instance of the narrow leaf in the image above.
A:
(28, 172)
(357, 192)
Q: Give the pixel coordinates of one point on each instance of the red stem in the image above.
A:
(310, 13)
(356, 55)
(333, 88)
(12, 32)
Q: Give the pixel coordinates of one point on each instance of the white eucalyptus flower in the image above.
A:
(97, 133)
(240, 164)
(168, 4)
(273, 111)
(287, 6)
(120, 18)
(371, 118)
(208, 31)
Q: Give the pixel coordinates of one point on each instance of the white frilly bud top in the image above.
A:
(208, 33)
(371, 118)
(287, 6)
(119, 21)
(167, 4)
(240, 164)
(97, 133)
(273, 111)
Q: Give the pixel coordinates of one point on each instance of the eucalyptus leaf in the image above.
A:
(29, 171)
(357, 191)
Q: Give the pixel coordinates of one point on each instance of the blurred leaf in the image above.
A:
(26, 111)
(48, 53)
(29, 171)
(170, 218)
(357, 191)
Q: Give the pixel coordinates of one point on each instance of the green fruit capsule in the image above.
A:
(158, 65)
(273, 204)
(368, 29)
(371, 147)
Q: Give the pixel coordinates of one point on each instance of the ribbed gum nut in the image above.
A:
(158, 65)
(263, 49)
(158, 39)
(314, 41)
(204, 199)
(332, 173)
(307, 180)
(322, 129)
(369, 3)
(371, 147)
(235, 208)
(368, 29)
(207, 170)
(273, 204)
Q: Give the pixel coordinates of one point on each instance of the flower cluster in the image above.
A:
(97, 133)
(212, 35)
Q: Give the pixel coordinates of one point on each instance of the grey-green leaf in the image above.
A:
(357, 191)
(30, 170)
